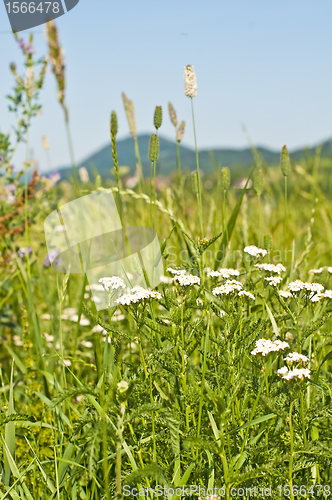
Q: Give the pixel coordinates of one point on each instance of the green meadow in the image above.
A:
(217, 383)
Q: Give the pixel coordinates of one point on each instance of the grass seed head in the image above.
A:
(158, 117)
(56, 58)
(268, 242)
(225, 178)
(284, 161)
(258, 184)
(114, 124)
(172, 114)
(130, 113)
(190, 83)
(180, 132)
(153, 148)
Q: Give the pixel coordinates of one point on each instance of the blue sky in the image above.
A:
(265, 64)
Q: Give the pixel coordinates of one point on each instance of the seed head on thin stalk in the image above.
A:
(284, 161)
(158, 117)
(29, 83)
(190, 83)
(130, 113)
(190, 89)
(114, 131)
(180, 131)
(153, 148)
(114, 123)
(131, 118)
(172, 114)
(56, 58)
(225, 178)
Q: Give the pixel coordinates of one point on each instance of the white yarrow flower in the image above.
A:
(296, 286)
(295, 357)
(271, 268)
(255, 251)
(175, 271)
(274, 280)
(213, 274)
(244, 293)
(229, 287)
(285, 295)
(112, 283)
(314, 287)
(265, 346)
(224, 273)
(316, 271)
(316, 298)
(122, 386)
(299, 373)
(139, 294)
(282, 371)
(187, 280)
(328, 294)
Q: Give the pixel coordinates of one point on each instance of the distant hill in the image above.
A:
(102, 160)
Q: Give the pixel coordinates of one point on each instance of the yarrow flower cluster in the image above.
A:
(229, 287)
(187, 279)
(255, 251)
(271, 268)
(265, 346)
(114, 283)
(299, 373)
(296, 286)
(320, 270)
(223, 273)
(314, 287)
(176, 271)
(244, 293)
(274, 280)
(295, 357)
(139, 294)
(284, 294)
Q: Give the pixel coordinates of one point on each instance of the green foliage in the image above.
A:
(167, 391)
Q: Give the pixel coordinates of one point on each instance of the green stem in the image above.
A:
(180, 179)
(72, 156)
(203, 380)
(285, 226)
(153, 424)
(291, 452)
(198, 174)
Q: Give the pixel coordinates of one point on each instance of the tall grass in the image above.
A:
(169, 391)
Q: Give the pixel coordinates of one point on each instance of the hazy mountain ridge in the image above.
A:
(102, 159)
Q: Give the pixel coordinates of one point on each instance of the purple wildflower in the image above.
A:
(23, 252)
(26, 47)
(52, 256)
(10, 193)
(55, 177)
